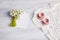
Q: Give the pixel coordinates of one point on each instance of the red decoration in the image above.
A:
(45, 21)
(40, 15)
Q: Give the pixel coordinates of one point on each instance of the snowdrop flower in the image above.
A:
(15, 14)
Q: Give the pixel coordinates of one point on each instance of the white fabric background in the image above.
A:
(32, 32)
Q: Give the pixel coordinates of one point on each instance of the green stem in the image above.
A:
(13, 23)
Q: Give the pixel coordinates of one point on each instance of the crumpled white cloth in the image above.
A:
(52, 30)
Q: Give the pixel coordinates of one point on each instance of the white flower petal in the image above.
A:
(10, 13)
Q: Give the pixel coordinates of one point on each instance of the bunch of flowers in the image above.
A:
(15, 14)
